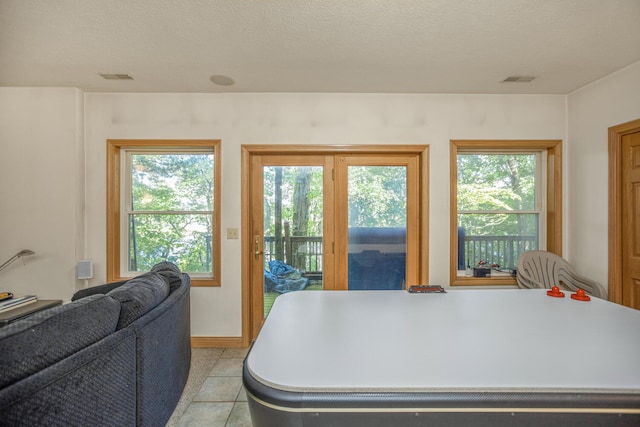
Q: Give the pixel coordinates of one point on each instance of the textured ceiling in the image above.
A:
(411, 46)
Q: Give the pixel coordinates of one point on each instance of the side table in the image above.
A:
(18, 313)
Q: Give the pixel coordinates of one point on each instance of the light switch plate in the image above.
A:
(232, 233)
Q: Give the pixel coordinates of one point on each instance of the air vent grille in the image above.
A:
(518, 79)
(116, 76)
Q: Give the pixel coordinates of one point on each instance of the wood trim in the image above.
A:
(615, 206)
(615, 217)
(256, 149)
(531, 144)
(113, 210)
(341, 224)
(413, 261)
(245, 221)
(329, 229)
(256, 211)
(217, 209)
(114, 147)
(424, 171)
(453, 215)
(554, 200)
(229, 342)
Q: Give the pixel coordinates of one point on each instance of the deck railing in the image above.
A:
(302, 253)
(305, 253)
(501, 250)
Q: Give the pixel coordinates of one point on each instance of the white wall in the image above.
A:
(47, 182)
(41, 189)
(607, 102)
(239, 119)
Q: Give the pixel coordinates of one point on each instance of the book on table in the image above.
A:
(17, 301)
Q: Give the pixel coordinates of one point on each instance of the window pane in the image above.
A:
(293, 229)
(172, 182)
(182, 239)
(377, 196)
(496, 238)
(496, 181)
(377, 227)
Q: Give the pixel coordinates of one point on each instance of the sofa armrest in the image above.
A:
(163, 345)
(93, 387)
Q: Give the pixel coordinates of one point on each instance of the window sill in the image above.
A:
(203, 282)
(484, 281)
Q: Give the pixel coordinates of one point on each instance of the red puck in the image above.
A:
(580, 296)
(555, 292)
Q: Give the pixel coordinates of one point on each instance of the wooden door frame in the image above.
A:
(616, 133)
(247, 153)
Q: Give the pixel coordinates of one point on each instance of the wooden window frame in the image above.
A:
(553, 149)
(115, 149)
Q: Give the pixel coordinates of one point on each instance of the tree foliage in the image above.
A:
(172, 201)
(377, 197)
(312, 193)
(500, 186)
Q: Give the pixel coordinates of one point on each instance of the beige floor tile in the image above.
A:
(240, 416)
(202, 361)
(235, 352)
(227, 367)
(219, 389)
(206, 414)
(214, 395)
(242, 395)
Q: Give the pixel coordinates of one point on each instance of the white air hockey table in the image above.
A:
(466, 357)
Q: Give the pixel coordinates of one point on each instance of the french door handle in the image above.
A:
(257, 252)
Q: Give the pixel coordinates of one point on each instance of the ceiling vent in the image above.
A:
(116, 76)
(518, 79)
(221, 80)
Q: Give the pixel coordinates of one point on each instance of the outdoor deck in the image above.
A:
(305, 254)
(270, 297)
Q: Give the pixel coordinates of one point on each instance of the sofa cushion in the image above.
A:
(46, 337)
(170, 272)
(100, 289)
(140, 295)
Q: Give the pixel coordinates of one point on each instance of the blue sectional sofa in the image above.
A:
(117, 355)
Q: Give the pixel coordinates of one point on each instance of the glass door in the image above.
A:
(291, 195)
(377, 217)
(379, 220)
(337, 220)
(293, 230)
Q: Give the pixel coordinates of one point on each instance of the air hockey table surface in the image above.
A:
(465, 357)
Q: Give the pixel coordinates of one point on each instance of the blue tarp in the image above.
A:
(283, 278)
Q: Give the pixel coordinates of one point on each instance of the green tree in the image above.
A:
(293, 195)
(496, 184)
(377, 196)
(164, 188)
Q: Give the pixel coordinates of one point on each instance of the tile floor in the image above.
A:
(214, 395)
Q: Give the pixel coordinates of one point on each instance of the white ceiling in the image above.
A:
(410, 46)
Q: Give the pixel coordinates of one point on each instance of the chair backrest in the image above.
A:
(541, 269)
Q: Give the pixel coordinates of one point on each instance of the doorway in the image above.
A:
(330, 218)
(624, 214)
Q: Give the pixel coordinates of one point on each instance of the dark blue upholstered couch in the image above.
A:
(117, 355)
